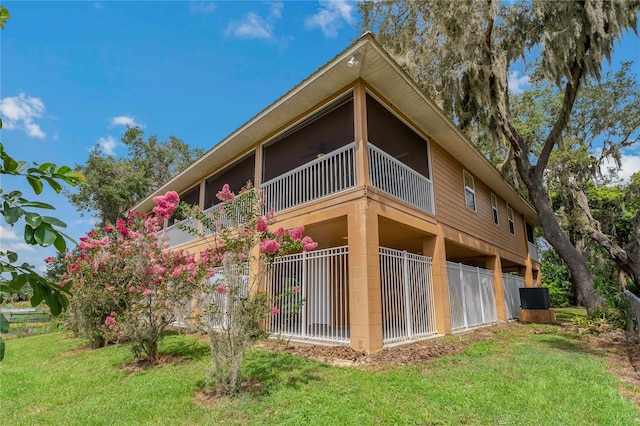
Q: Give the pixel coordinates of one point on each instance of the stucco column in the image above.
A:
(361, 135)
(434, 247)
(528, 273)
(365, 305)
(493, 263)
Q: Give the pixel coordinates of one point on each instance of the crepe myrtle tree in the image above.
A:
(241, 249)
(126, 286)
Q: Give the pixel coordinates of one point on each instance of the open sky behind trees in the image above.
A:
(73, 74)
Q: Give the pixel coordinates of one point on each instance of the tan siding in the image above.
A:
(452, 211)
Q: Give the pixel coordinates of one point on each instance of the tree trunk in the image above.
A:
(627, 258)
(574, 260)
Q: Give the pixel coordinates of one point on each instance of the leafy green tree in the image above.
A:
(463, 54)
(38, 230)
(557, 278)
(114, 185)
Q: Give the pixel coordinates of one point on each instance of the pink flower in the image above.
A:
(262, 225)
(308, 244)
(74, 267)
(221, 288)
(110, 321)
(297, 289)
(269, 246)
(121, 226)
(166, 204)
(279, 232)
(275, 310)
(225, 194)
(49, 259)
(148, 292)
(296, 233)
(110, 288)
(108, 229)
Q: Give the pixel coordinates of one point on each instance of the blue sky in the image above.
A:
(73, 74)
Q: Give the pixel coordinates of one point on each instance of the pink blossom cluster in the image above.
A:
(166, 204)
(269, 246)
(226, 195)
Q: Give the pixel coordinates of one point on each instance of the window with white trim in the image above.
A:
(494, 208)
(469, 191)
(512, 223)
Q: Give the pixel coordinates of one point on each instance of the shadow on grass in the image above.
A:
(274, 370)
(566, 343)
(191, 348)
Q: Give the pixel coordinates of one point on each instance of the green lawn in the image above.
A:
(516, 379)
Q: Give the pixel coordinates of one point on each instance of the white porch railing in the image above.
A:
(310, 291)
(512, 283)
(471, 297)
(319, 178)
(229, 219)
(398, 180)
(176, 236)
(533, 252)
(220, 311)
(408, 310)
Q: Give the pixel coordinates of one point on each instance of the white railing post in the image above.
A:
(464, 297)
(480, 293)
(303, 290)
(407, 296)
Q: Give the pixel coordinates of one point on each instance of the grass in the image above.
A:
(568, 314)
(518, 378)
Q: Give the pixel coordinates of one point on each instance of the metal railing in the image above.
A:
(176, 236)
(231, 216)
(533, 252)
(408, 310)
(310, 294)
(329, 174)
(512, 283)
(393, 177)
(472, 300)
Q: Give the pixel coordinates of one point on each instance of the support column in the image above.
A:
(528, 273)
(493, 263)
(361, 136)
(365, 295)
(434, 247)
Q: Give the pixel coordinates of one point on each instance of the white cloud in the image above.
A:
(19, 112)
(98, 5)
(629, 164)
(330, 17)
(276, 10)
(108, 145)
(517, 84)
(250, 27)
(125, 120)
(10, 241)
(202, 7)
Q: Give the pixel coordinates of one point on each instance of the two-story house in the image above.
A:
(418, 233)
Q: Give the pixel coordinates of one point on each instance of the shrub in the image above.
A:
(126, 286)
(241, 251)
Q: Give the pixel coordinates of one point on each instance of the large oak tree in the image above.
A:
(464, 53)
